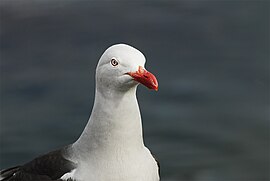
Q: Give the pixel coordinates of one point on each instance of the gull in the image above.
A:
(111, 146)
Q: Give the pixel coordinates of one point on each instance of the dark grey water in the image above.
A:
(210, 119)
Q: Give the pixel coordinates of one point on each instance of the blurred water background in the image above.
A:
(208, 122)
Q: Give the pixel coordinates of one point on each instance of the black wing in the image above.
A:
(49, 167)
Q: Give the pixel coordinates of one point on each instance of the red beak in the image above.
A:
(144, 77)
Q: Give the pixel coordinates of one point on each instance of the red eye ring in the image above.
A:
(114, 62)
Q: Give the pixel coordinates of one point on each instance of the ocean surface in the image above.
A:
(210, 119)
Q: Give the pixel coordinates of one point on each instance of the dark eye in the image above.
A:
(114, 62)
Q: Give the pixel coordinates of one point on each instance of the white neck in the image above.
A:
(115, 123)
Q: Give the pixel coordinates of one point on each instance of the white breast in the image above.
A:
(140, 166)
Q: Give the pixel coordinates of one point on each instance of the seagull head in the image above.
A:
(121, 67)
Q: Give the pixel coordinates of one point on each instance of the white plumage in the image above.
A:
(111, 146)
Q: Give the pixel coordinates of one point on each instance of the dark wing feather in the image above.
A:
(6, 174)
(49, 167)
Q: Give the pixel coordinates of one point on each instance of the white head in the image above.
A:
(121, 67)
